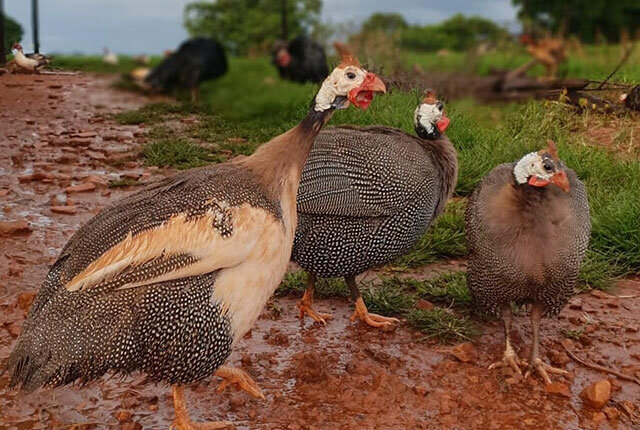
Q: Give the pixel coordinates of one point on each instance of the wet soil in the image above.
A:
(56, 133)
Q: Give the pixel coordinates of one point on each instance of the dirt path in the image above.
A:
(342, 376)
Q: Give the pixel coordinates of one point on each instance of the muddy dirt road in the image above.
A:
(59, 150)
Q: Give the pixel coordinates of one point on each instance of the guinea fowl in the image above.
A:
(167, 280)
(31, 62)
(196, 60)
(367, 195)
(528, 230)
(301, 60)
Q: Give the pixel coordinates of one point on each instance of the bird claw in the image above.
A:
(510, 359)
(240, 379)
(374, 320)
(319, 317)
(543, 369)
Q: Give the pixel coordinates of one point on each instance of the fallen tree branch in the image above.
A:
(601, 368)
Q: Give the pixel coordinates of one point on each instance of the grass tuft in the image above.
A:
(387, 299)
(177, 153)
(294, 283)
(442, 325)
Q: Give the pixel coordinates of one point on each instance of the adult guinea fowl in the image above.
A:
(31, 62)
(167, 280)
(301, 60)
(528, 229)
(367, 194)
(196, 60)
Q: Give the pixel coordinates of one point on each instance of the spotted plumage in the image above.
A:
(367, 194)
(526, 243)
(133, 318)
(528, 229)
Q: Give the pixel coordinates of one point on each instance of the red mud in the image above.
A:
(339, 376)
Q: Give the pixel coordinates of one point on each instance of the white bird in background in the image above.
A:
(109, 57)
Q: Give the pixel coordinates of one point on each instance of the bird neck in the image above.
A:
(279, 162)
(446, 158)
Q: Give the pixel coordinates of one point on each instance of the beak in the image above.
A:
(561, 181)
(362, 95)
(443, 123)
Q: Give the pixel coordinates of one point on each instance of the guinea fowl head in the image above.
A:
(348, 83)
(16, 47)
(429, 118)
(539, 169)
(281, 54)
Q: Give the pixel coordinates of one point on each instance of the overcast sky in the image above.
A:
(151, 26)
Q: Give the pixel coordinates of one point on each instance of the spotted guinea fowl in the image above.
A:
(367, 195)
(196, 60)
(528, 229)
(167, 280)
(300, 60)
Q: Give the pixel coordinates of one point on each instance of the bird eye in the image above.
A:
(440, 106)
(548, 165)
(351, 75)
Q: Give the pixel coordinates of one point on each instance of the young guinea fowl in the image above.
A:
(528, 229)
(367, 195)
(167, 280)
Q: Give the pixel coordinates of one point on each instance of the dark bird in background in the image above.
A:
(528, 229)
(196, 60)
(300, 60)
(168, 279)
(367, 195)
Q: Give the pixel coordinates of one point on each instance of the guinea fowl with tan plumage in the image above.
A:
(367, 195)
(169, 279)
(528, 230)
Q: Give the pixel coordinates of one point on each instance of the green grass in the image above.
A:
(251, 104)
(592, 62)
(294, 283)
(178, 153)
(442, 325)
(387, 299)
(449, 288)
(94, 63)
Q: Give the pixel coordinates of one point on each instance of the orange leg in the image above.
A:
(183, 422)
(239, 378)
(306, 303)
(361, 312)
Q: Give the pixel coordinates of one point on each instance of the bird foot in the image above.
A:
(543, 369)
(239, 378)
(306, 307)
(510, 359)
(373, 320)
(187, 424)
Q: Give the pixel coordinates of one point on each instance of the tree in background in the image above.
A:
(586, 19)
(246, 25)
(12, 33)
(456, 33)
(388, 23)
